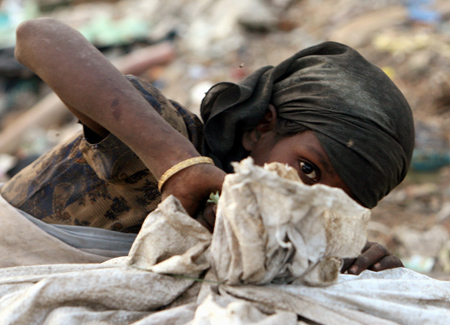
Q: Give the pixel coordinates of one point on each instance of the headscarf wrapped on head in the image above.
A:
(359, 116)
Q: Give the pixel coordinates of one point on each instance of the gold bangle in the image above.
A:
(180, 166)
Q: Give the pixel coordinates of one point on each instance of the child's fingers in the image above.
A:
(208, 217)
(367, 246)
(370, 256)
(347, 262)
(386, 263)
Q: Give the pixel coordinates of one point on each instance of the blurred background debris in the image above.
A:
(185, 46)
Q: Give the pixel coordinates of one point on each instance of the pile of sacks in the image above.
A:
(274, 258)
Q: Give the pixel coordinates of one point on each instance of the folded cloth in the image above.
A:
(25, 240)
(89, 239)
(277, 229)
(259, 269)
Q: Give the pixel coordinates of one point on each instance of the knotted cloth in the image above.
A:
(360, 117)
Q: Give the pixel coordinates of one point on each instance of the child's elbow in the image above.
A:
(36, 26)
(22, 33)
(31, 33)
(24, 29)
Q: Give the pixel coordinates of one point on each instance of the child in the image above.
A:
(325, 111)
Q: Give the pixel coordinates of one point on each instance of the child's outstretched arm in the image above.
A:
(103, 99)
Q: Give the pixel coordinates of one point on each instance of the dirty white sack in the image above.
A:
(273, 259)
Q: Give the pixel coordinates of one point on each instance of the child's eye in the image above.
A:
(309, 170)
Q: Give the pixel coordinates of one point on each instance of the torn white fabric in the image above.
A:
(271, 228)
(161, 281)
(171, 242)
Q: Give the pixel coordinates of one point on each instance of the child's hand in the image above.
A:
(374, 257)
(208, 216)
(192, 187)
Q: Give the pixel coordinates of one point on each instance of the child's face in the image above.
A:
(302, 152)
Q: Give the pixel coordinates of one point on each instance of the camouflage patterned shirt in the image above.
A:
(102, 184)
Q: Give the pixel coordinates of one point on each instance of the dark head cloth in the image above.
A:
(361, 119)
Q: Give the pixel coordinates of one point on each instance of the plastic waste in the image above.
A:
(424, 160)
(419, 263)
(12, 13)
(432, 150)
(421, 11)
(6, 163)
(444, 258)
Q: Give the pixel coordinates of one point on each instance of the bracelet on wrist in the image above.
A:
(180, 166)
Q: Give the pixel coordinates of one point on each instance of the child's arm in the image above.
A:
(101, 97)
